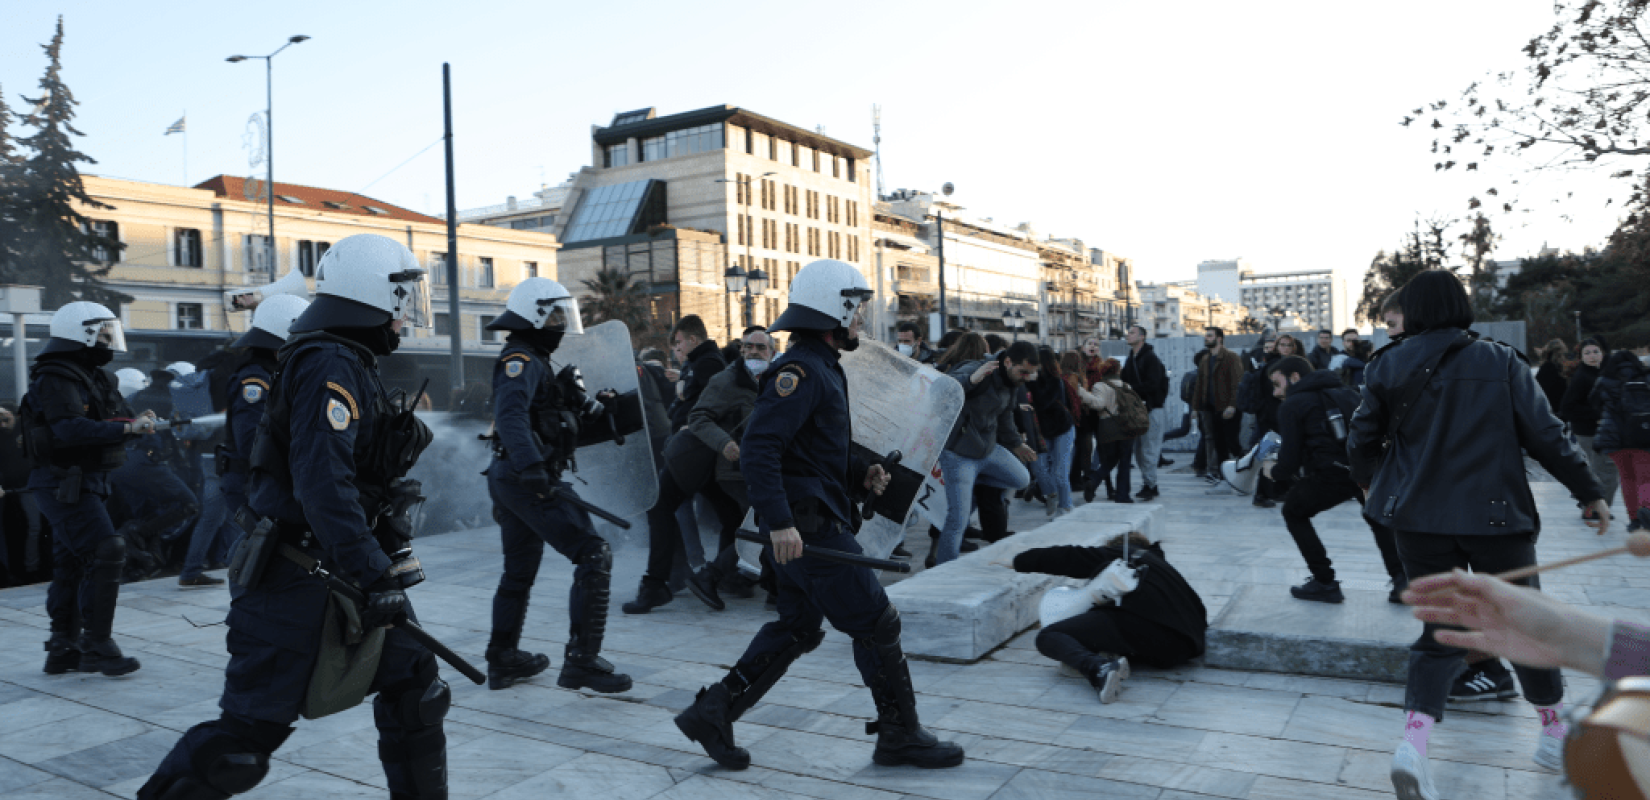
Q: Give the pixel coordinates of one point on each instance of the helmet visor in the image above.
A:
(414, 294)
(564, 315)
(110, 335)
(858, 297)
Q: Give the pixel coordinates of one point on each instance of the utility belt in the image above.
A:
(265, 538)
(554, 464)
(227, 462)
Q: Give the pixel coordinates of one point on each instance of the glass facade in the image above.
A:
(683, 142)
(618, 155)
(606, 211)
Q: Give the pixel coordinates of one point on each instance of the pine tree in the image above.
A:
(58, 248)
(11, 179)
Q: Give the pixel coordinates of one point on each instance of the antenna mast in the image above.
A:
(876, 141)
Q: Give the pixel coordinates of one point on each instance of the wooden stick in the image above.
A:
(1638, 544)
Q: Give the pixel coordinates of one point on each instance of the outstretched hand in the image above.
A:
(1514, 622)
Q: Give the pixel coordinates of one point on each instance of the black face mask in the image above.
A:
(96, 356)
(545, 340)
(844, 341)
(381, 340)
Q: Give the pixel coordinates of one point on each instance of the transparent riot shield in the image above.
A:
(618, 478)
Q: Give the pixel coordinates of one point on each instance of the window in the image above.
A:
(487, 335)
(836, 167)
(438, 269)
(484, 272)
(741, 189)
(290, 199)
(309, 254)
(334, 204)
(816, 161)
(853, 214)
(616, 155)
(259, 255)
(796, 155)
(773, 149)
(531, 268)
(376, 210)
(687, 141)
(443, 325)
(109, 230)
(190, 317)
(852, 177)
(186, 247)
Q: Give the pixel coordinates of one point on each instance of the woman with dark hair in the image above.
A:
(969, 346)
(1450, 481)
(1161, 623)
(1114, 455)
(1051, 399)
(1619, 395)
(1288, 346)
(1550, 376)
(1577, 409)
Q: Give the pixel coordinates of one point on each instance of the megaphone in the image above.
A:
(246, 298)
(1062, 603)
(1244, 472)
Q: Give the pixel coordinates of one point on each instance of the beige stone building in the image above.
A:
(1177, 309)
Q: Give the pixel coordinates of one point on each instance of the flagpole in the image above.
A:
(186, 147)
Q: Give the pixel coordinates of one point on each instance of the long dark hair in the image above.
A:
(969, 347)
(1050, 367)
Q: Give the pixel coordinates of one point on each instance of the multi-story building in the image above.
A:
(184, 246)
(990, 268)
(1178, 309)
(1318, 297)
(1116, 291)
(675, 201)
(908, 268)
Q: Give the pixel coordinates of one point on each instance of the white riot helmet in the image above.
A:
(825, 295)
(132, 381)
(83, 324)
(539, 304)
(246, 298)
(272, 322)
(365, 281)
(172, 372)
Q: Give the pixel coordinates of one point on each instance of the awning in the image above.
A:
(902, 240)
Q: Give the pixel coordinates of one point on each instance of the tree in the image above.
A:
(1250, 325)
(1477, 244)
(1426, 247)
(11, 181)
(614, 295)
(59, 249)
(1581, 100)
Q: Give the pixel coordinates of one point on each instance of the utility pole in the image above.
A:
(455, 328)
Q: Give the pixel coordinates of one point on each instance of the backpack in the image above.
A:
(1132, 413)
(1633, 425)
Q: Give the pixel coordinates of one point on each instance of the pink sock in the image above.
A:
(1417, 729)
(1552, 720)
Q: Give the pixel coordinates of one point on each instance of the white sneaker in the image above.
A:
(1410, 777)
(1549, 753)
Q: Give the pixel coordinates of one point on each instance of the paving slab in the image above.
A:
(1262, 628)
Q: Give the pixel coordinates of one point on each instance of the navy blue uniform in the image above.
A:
(537, 427)
(248, 389)
(332, 398)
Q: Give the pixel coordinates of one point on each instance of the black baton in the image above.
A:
(574, 500)
(856, 559)
(412, 628)
(888, 463)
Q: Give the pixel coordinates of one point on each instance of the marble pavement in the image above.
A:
(1031, 732)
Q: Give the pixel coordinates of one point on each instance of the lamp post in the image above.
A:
(738, 279)
(269, 138)
(939, 229)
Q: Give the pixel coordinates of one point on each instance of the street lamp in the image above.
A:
(738, 279)
(269, 138)
(939, 229)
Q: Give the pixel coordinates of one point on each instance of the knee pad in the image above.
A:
(111, 548)
(597, 555)
(418, 704)
(232, 760)
(887, 628)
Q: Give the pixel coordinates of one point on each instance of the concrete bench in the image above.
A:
(964, 609)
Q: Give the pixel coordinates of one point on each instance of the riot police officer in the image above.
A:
(797, 467)
(538, 412)
(248, 388)
(322, 468)
(71, 435)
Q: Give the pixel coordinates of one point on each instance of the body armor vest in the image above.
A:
(103, 402)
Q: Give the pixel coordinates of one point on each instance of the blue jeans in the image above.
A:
(1148, 447)
(209, 529)
(1054, 468)
(999, 468)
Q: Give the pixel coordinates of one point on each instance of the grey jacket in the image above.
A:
(988, 413)
(719, 416)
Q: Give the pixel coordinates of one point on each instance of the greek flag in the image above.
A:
(176, 127)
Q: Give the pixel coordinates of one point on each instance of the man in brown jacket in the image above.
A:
(1214, 397)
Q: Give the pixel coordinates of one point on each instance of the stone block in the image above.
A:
(1264, 629)
(964, 609)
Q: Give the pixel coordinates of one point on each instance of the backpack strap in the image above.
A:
(1418, 381)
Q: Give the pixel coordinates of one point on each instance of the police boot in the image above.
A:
(61, 654)
(901, 739)
(709, 721)
(104, 656)
(582, 666)
(507, 666)
(98, 652)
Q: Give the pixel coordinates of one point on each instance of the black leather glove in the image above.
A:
(536, 479)
(385, 606)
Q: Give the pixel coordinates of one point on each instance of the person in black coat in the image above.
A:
(1618, 432)
(1577, 409)
(1145, 374)
(1161, 623)
(700, 359)
(1550, 375)
(1052, 403)
(1449, 479)
(1313, 452)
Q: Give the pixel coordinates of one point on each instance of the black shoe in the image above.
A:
(105, 657)
(929, 562)
(900, 552)
(1107, 678)
(1148, 493)
(592, 672)
(1123, 499)
(1318, 592)
(61, 655)
(1165, 462)
(703, 586)
(967, 547)
(216, 565)
(1396, 596)
(1088, 493)
(709, 721)
(1264, 502)
(1634, 525)
(1487, 680)
(507, 668)
(898, 746)
(648, 597)
(737, 585)
(202, 579)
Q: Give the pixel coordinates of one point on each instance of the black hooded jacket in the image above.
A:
(1163, 597)
(1622, 366)
(1456, 466)
(1303, 421)
(1145, 374)
(1577, 407)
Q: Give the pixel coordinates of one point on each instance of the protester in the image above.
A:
(912, 344)
(1351, 365)
(984, 447)
(1052, 397)
(1623, 401)
(1576, 408)
(1086, 371)
(1325, 351)
(1260, 403)
(1450, 481)
(1550, 375)
(697, 353)
(1215, 398)
(1161, 623)
(1288, 346)
(1146, 375)
(1111, 463)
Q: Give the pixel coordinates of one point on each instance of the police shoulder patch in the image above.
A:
(252, 392)
(513, 368)
(786, 382)
(337, 414)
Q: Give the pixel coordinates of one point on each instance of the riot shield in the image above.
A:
(897, 404)
(618, 478)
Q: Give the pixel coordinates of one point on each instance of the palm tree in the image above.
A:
(614, 295)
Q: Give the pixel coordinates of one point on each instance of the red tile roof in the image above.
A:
(234, 188)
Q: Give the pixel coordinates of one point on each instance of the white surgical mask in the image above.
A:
(904, 349)
(757, 366)
(1645, 360)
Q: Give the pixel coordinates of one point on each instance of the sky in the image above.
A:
(1170, 133)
